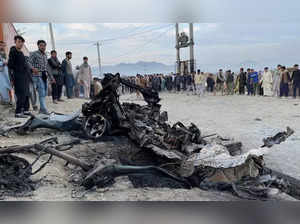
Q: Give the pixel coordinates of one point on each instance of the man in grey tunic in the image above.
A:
(276, 81)
(85, 77)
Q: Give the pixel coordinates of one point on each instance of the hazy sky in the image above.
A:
(223, 45)
(228, 33)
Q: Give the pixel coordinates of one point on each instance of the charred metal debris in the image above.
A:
(174, 156)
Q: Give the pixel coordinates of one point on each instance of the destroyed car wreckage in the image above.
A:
(175, 153)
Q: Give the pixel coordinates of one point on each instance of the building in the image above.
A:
(7, 34)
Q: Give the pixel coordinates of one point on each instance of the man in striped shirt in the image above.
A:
(38, 61)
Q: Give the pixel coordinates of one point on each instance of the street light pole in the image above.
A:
(52, 36)
(192, 57)
(99, 59)
(177, 49)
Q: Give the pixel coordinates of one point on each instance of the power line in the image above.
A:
(136, 34)
(89, 41)
(138, 28)
(83, 42)
(148, 42)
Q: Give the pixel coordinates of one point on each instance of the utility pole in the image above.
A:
(99, 60)
(192, 58)
(52, 36)
(177, 49)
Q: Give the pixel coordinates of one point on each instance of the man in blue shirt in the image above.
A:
(254, 79)
(249, 82)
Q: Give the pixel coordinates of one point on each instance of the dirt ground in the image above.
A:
(244, 118)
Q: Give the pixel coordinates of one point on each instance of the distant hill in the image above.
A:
(141, 67)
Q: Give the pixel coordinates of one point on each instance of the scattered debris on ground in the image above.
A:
(175, 156)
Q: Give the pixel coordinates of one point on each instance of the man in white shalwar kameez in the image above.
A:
(267, 82)
(85, 77)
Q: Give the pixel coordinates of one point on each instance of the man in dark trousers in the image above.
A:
(285, 80)
(220, 81)
(66, 68)
(178, 82)
(189, 82)
(230, 82)
(249, 82)
(210, 83)
(296, 80)
(242, 81)
(54, 68)
(19, 69)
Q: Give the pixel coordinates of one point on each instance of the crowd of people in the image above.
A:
(283, 82)
(23, 78)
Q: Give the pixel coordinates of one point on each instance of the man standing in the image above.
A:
(97, 86)
(193, 82)
(78, 89)
(284, 84)
(242, 81)
(184, 82)
(267, 82)
(85, 77)
(200, 83)
(276, 81)
(296, 80)
(66, 68)
(254, 81)
(260, 87)
(54, 68)
(189, 83)
(220, 81)
(210, 83)
(177, 82)
(174, 82)
(18, 66)
(39, 65)
(230, 83)
(249, 82)
(5, 84)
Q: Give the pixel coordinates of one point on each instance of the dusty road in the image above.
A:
(246, 119)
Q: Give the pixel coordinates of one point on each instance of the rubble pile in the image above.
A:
(180, 152)
(176, 156)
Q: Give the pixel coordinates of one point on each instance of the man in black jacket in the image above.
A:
(19, 68)
(296, 80)
(178, 82)
(242, 81)
(189, 82)
(54, 68)
(210, 83)
(230, 82)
